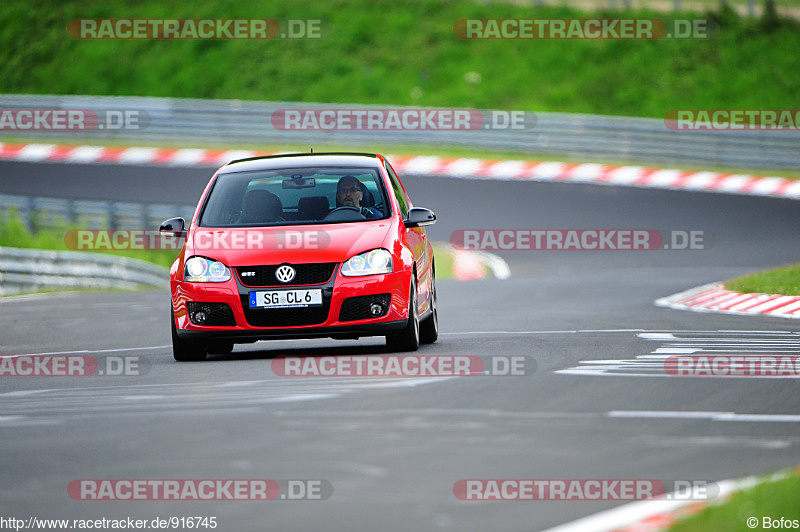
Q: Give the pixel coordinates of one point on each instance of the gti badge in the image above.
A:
(285, 274)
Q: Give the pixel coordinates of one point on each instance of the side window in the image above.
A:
(399, 193)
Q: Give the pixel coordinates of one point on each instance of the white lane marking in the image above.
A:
(726, 342)
(755, 332)
(24, 393)
(654, 334)
(712, 416)
(142, 397)
(747, 343)
(131, 399)
(302, 397)
(658, 336)
(236, 384)
(484, 333)
(718, 442)
(608, 330)
(748, 349)
(90, 351)
(466, 333)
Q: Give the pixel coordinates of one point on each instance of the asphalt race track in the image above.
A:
(393, 448)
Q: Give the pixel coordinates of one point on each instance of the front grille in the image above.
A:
(217, 314)
(305, 274)
(357, 308)
(285, 317)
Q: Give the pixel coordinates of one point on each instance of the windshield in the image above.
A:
(295, 196)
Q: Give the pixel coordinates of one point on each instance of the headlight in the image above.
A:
(368, 263)
(202, 270)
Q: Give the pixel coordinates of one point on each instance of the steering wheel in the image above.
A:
(344, 208)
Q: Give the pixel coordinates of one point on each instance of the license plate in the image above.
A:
(286, 298)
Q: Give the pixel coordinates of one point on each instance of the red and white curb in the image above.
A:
(659, 515)
(467, 265)
(714, 298)
(636, 176)
(471, 265)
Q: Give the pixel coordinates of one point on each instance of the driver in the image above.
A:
(350, 194)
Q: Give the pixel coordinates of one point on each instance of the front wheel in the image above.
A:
(186, 350)
(408, 338)
(429, 327)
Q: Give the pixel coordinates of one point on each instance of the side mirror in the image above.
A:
(417, 217)
(175, 226)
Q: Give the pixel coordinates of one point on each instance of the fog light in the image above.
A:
(200, 317)
(376, 309)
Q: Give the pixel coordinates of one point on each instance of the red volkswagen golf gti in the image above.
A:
(303, 246)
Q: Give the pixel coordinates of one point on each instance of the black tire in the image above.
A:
(429, 327)
(408, 338)
(186, 350)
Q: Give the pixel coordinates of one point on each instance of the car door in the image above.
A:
(416, 240)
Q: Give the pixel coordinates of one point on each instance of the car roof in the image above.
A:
(298, 160)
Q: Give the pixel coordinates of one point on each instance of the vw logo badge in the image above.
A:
(285, 274)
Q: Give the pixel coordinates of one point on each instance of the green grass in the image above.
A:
(443, 260)
(784, 280)
(713, 3)
(687, 5)
(401, 53)
(774, 499)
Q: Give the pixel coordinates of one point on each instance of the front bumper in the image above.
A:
(314, 322)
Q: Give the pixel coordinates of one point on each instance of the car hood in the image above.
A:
(253, 246)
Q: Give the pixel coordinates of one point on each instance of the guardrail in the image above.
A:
(37, 212)
(30, 270)
(610, 138)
